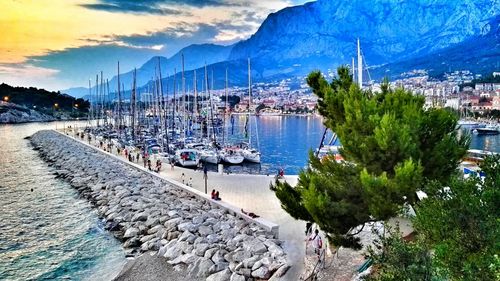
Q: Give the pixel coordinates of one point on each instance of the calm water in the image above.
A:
(50, 233)
(284, 141)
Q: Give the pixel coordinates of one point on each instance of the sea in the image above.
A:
(47, 232)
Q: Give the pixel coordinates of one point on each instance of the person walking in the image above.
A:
(317, 243)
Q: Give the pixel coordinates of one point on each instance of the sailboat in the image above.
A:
(250, 154)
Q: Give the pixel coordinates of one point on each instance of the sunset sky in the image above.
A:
(57, 44)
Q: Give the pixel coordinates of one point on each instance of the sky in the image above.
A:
(58, 44)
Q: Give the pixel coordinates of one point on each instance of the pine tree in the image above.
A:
(391, 144)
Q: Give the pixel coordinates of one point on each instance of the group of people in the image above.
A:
(215, 195)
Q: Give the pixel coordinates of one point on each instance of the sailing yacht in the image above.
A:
(231, 156)
(250, 154)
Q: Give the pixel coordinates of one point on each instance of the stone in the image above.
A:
(281, 271)
(140, 217)
(219, 256)
(224, 275)
(204, 267)
(210, 252)
(205, 230)
(200, 249)
(131, 232)
(248, 263)
(218, 266)
(236, 277)
(256, 265)
(172, 223)
(155, 229)
(262, 273)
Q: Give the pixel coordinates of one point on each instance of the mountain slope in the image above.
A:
(324, 32)
(194, 56)
(480, 54)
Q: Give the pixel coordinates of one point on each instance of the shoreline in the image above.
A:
(137, 210)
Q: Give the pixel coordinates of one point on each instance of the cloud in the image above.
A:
(152, 6)
(29, 75)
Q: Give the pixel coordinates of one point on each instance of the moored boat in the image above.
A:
(187, 157)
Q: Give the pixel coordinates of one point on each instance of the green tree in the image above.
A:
(462, 222)
(392, 146)
(396, 259)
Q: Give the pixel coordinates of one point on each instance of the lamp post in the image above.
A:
(6, 98)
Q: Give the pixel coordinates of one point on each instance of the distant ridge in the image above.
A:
(398, 35)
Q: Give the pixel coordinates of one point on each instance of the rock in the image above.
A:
(219, 256)
(186, 259)
(248, 263)
(213, 238)
(218, 266)
(173, 251)
(155, 229)
(140, 217)
(210, 252)
(186, 235)
(205, 230)
(201, 268)
(220, 276)
(132, 242)
(262, 273)
(257, 265)
(236, 277)
(281, 271)
(200, 249)
(131, 232)
(172, 223)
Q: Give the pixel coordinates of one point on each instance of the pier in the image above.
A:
(65, 152)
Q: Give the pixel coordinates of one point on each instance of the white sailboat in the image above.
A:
(231, 156)
(250, 154)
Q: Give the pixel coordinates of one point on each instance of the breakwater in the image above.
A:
(149, 214)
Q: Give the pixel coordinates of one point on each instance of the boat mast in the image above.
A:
(132, 101)
(360, 67)
(224, 117)
(249, 106)
(183, 100)
(173, 109)
(119, 103)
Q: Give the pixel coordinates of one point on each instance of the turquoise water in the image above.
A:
(48, 233)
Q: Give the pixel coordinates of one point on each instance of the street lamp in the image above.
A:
(6, 98)
(56, 105)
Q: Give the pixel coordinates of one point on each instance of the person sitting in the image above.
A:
(217, 198)
(281, 173)
(250, 214)
(212, 195)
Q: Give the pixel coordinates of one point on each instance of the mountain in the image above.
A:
(195, 56)
(479, 53)
(395, 35)
(322, 34)
(77, 92)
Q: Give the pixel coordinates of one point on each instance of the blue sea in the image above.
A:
(52, 234)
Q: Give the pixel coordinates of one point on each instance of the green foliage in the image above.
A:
(44, 101)
(392, 147)
(396, 259)
(462, 222)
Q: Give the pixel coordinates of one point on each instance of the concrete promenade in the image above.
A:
(249, 192)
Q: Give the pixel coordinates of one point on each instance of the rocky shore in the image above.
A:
(148, 214)
(12, 113)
